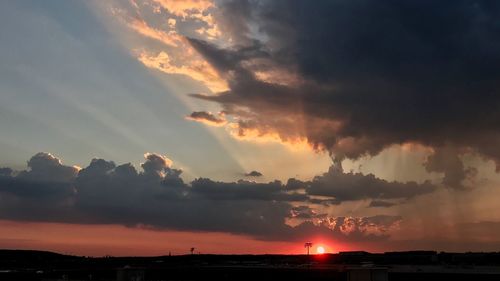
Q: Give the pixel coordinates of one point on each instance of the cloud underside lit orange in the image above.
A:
(193, 67)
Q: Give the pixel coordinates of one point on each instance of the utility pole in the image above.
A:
(308, 245)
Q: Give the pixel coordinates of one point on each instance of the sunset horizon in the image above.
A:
(175, 127)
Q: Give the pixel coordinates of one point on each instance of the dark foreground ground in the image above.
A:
(359, 266)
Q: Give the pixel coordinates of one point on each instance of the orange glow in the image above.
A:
(171, 39)
(186, 8)
(220, 121)
(194, 67)
(295, 143)
(116, 240)
(320, 250)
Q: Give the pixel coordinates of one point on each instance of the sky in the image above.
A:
(149, 127)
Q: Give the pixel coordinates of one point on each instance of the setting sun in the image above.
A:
(320, 250)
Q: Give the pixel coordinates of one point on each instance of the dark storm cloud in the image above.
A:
(44, 166)
(6, 172)
(446, 160)
(47, 178)
(244, 190)
(254, 174)
(350, 186)
(336, 186)
(230, 15)
(369, 74)
(44, 191)
(157, 197)
(35, 189)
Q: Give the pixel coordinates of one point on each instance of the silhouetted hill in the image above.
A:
(355, 257)
(29, 255)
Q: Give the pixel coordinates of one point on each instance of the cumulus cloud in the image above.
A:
(367, 75)
(244, 190)
(253, 174)
(355, 186)
(46, 167)
(336, 186)
(157, 164)
(157, 197)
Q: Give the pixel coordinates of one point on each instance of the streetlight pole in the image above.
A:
(308, 245)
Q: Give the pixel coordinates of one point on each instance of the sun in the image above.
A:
(320, 250)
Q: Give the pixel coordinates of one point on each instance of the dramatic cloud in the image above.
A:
(356, 229)
(336, 186)
(169, 39)
(165, 23)
(157, 197)
(349, 186)
(446, 160)
(192, 66)
(348, 78)
(355, 77)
